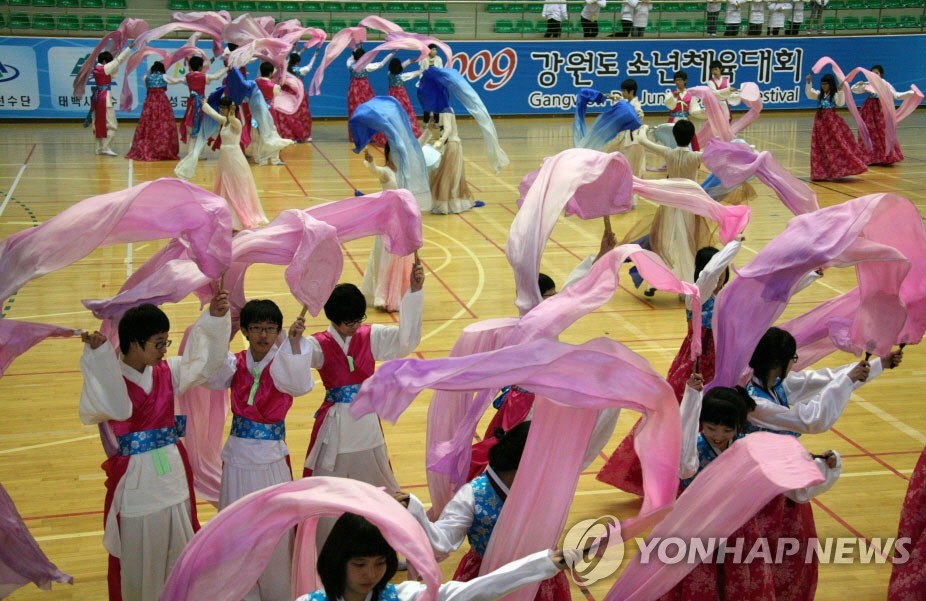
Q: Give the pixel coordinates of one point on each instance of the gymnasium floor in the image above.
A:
(49, 462)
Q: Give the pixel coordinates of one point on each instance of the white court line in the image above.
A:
(9, 193)
(51, 537)
(128, 251)
(47, 444)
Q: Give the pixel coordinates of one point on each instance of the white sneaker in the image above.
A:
(276, 162)
(309, 139)
(108, 152)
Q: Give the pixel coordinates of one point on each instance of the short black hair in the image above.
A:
(680, 74)
(395, 66)
(630, 84)
(140, 323)
(225, 102)
(196, 62)
(506, 454)
(387, 151)
(266, 69)
(294, 59)
(683, 131)
(104, 57)
(715, 64)
(727, 407)
(157, 67)
(353, 536)
(346, 303)
(545, 283)
(776, 348)
(879, 69)
(232, 47)
(702, 258)
(432, 46)
(358, 52)
(260, 311)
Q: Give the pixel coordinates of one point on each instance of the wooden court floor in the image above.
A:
(49, 462)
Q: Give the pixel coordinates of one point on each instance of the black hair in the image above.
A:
(387, 152)
(353, 536)
(683, 131)
(266, 69)
(432, 46)
(776, 348)
(157, 67)
(232, 47)
(358, 52)
(879, 69)
(681, 74)
(196, 63)
(140, 323)
(715, 64)
(630, 85)
(506, 454)
(727, 407)
(395, 66)
(830, 79)
(104, 57)
(294, 59)
(703, 257)
(346, 303)
(225, 102)
(260, 311)
(545, 283)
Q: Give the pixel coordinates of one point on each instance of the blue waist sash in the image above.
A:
(342, 394)
(94, 98)
(243, 427)
(135, 443)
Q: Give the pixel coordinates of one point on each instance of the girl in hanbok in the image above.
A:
(873, 117)
(720, 86)
(357, 563)
(360, 90)
(197, 81)
(298, 126)
(908, 578)
(397, 81)
(474, 510)
(155, 136)
(834, 153)
(386, 277)
(233, 178)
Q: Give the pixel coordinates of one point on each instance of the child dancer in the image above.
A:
(624, 142)
(298, 126)
(720, 86)
(681, 104)
(397, 81)
(385, 279)
(449, 187)
(197, 81)
(150, 507)
(432, 60)
(474, 510)
(263, 380)
(233, 178)
(874, 120)
(345, 356)
(360, 90)
(356, 564)
(155, 136)
(834, 153)
(102, 113)
(269, 90)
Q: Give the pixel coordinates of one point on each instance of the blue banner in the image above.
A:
(513, 78)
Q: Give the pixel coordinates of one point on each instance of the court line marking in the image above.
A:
(19, 174)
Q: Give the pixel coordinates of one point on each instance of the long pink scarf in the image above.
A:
(717, 126)
(225, 558)
(349, 36)
(843, 81)
(115, 41)
(17, 337)
(881, 234)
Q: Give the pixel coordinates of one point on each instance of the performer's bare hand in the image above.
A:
(94, 339)
(892, 359)
(860, 372)
(219, 305)
(367, 156)
(295, 335)
(608, 242)
(401, 497)
(416, 281)
(696, 381)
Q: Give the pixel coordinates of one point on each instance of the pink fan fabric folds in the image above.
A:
(17, 337)
(21, 559)
(115, 41)
(717, 126)
(589, 183)
(909, 105)
(349, 36)
(735, 163)
(198, 217)
(616, 377)
(765, 464)
(880, 234)
(237, 544)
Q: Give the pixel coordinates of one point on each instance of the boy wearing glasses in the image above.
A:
(150, 507)
(263, 380)
(345, 355)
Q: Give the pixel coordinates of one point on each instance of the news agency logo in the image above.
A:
(8, 72)
(594, 549)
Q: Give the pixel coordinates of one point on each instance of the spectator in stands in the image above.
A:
(555, 13)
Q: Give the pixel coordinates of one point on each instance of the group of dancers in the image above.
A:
(132, 388)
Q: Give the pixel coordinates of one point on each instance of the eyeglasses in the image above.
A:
(162, 345)
(255, 330)
(353, 323)
(795, 357)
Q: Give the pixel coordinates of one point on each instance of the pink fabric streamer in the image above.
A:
(126, 97)
(843, 82)
(237, 544)
(379, 23)
(115, 41)
(765, 464)
(735, 163)
(590, 184)
(349, 36)
(617, 377)
(881, 234)
(403, 43)
(21, 559)
(442, 46)
(717, 126)
(199, 218)
(909, 105)
(17, 337)
(186, 51)
(210, 23)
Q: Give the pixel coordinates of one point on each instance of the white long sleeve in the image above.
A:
(690, 412)
(804, 495)
(104, 395)
(715, 268)
(449, 531)
(112, 66)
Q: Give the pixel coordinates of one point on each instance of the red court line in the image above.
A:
(293, 175)
(844, 455)
(333, 166)
(866, 452)
(484, 236)
(836, 517)
(449, 289)
(29, 156)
